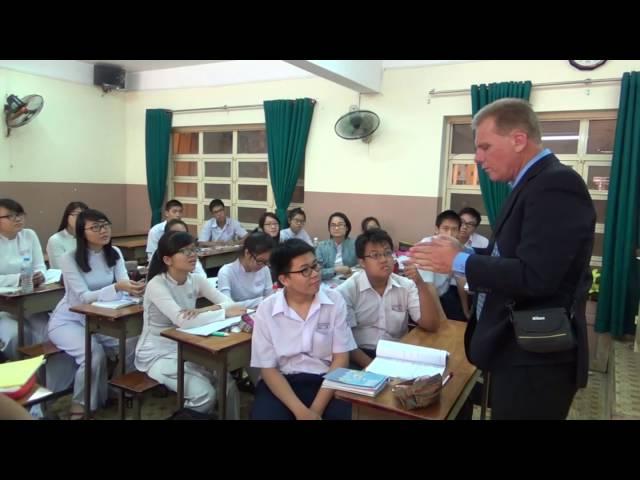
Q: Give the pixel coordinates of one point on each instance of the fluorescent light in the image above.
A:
(560, 137)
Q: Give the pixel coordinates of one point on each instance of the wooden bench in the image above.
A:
(137, 384)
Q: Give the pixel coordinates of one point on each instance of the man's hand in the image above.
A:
(436, 255)
(38, 279)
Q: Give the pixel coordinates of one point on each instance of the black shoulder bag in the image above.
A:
(543, 330)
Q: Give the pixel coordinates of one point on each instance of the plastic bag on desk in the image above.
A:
(419, 393)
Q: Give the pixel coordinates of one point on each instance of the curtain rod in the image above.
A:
(586, 81)
(225, 108)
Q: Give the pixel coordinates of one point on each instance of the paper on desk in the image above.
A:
(206, 330)
(53, 275)
(9, 290)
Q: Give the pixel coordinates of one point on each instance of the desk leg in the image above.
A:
(485, 395)
(122, 354)
(222, 387)
(180, 377)
(87, 368)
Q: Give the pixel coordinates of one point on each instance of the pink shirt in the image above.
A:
(283, 340)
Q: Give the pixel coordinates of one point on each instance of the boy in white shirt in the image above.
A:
(172, 209)
(300, 334)
(379, 302)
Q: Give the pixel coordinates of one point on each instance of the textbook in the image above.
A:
(355, 381)
(13, 375)
(401, 360)
(125, 301)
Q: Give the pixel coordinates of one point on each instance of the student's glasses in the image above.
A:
(258, 261)
(272, 224)
(386, 255)
(298, 222)
(307, 271)
(188, 251)
(338, 225)
(217, 211)
(15, 217)
(468, 224)
(98, 227)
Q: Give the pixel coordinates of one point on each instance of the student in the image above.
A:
(16, 242)
(173, 209)
(338, 254)
(297, 219)
(177, 225)
(270, 225)
(469, 221)
(65, 239)
(379, 302)
(370, 222)
(95, 271)
(300, 334)
(220, 229)
(248, 279)
(450, 289)
(170, 301)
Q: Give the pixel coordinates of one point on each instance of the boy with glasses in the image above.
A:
(300, 334)
(469, 222)
(220, 229)
(379, 302)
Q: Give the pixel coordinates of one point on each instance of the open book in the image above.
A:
(355, 381)
(401, 360)
(125, 301)
(208, 329)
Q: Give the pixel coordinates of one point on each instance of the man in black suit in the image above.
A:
(538, 258)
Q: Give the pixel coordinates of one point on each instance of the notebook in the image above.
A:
(401, 360)
(125, 301)
(14, 375)
(355, 381)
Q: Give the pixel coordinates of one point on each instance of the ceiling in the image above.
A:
(145, 65)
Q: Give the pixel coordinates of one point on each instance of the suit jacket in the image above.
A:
(545, 234)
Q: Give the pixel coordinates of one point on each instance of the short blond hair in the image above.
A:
(508, 114)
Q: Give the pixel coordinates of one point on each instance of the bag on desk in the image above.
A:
(543, 330)
(419, 393)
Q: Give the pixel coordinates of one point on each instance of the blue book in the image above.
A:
(355, 381)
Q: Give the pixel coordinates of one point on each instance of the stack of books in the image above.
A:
(355, 381)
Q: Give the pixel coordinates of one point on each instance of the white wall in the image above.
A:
(405, 156)
(78, 137)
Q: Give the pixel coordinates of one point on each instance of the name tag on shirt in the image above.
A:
(322, 327)
(397, 308)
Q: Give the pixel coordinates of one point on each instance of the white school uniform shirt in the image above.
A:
(164, 299)
(441, 281)
(338, 262)
(373, 317)
(154, 236)
(477, 241)
(211, 232)
(12, 252)
(86, 287)
(58, 244)
(287, 233)
(283, 340)
(245, 288)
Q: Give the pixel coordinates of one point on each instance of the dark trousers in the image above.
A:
(354, 366)
(305, 385)
(451, 304)
(533, 392)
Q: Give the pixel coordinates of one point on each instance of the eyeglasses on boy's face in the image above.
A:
(264, 263)
(308, 270)
(386, 255)
(14, 217)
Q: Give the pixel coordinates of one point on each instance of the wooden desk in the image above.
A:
(132, 235)
(220, 354)
(43, 299)
(119, 323)
(450, 337)
(218, 256)
(133, 249)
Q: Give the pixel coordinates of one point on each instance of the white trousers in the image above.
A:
(199, 391)
(70, 338)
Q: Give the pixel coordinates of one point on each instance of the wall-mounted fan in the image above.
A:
(18, 112)
(357, 124)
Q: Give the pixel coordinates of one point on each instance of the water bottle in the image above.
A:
(315, 242)
(26, 275)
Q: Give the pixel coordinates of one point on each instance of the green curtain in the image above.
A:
(619, 283)
(157, 139)
(287, 124)
(494, 193)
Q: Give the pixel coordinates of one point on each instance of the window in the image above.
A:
(229, 163)
(581, 140)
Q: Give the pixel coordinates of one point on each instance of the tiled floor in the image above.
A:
(601, 400)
